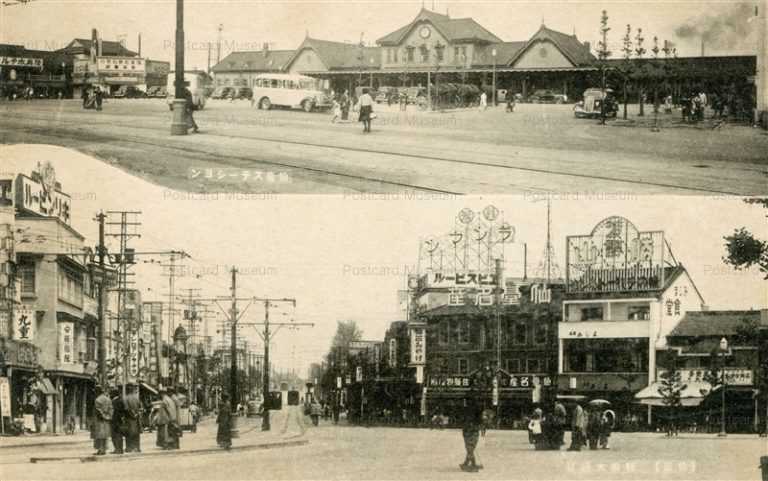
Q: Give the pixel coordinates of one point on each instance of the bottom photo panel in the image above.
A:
(226, 335)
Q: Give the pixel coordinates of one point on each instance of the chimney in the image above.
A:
(99, 50)
(139, 45)
(265, 49)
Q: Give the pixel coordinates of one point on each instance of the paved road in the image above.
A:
(343, 452)
(538, 149)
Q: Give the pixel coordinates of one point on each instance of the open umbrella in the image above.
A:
(599, 402)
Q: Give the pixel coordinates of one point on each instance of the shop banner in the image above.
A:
(133, 356)
(67, 342)
(6, 61)
(359, 374)
(5, 397)
(24, 323)
(393, 353)
(418, 346)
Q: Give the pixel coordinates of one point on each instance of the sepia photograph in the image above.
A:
(356, 239)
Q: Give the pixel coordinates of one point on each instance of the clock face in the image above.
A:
(424, 32)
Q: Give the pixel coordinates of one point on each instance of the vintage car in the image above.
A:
(589, 108)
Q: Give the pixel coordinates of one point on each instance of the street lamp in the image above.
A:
(723, 350)
(493, 54)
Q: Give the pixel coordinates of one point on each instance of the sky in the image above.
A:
(346, 257)
(247, 25)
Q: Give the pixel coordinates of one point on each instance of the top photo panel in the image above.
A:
(417, 98)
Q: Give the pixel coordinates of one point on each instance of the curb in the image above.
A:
(138, 456)
(43, 445)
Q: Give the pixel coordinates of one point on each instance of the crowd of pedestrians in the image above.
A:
(589, 427)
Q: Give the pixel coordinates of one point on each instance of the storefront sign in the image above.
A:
(338, 382)
(541, 294)
(24, 323)
(615, 257)
(21, 62)
(5, 318)
(130, 65)
(5, 397)
(67, 342)
(22, 354)
(458, 279)
(359, 374)
(418, 346)
(733, 376)
(393, 353)
(41, 197)
(504, 381)
(603, 330)
(133, 356)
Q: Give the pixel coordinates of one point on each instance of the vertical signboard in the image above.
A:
(5, 397)
(392, 353)
(24, 323)
(418, 346)
(67, 342)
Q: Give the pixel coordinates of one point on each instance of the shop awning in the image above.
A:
(148, 387)
(693, 394)
(45, 386)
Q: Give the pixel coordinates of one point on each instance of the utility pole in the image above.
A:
(179, 123)
(218, 44)
(233, 347)
(100, 217)
(128, 229)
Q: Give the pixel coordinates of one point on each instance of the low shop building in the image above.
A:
(47, 73)
(625, 293)
(702, 347)
(240, 69)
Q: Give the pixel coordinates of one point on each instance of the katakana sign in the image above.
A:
(6, 61)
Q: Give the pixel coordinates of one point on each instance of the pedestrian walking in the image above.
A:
(483, 101)
(194, 412)
(315, 411)
(594, 422)
(99, 98)
(366, 110)
(470, 431)
(336, 111)
(102, 419)
(85, 98)
(560, 418)
(578, 422)
(224, 420)
(606, 426)
(403, 98)
(118, 422)
(189, 109)
(345, 105)
(535, 431)
(169, 418)
(133, 413)
(511, 103)
(176, 431)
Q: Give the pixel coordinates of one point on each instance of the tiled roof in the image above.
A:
(454, 29)
(505, 52)
(574, 50)
(714, 323)
(340, 55)
(108, 47)
(273, 61)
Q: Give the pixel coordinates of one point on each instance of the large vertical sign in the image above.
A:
(615, 257)
(5, 397)
(418, 346)
(24, 323)
(133, 354)
(392, 353)
(67, 342)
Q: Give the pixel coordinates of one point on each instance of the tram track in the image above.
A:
(352, 149)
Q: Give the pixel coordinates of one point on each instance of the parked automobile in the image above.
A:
(244, 93)
(196, 82)
(589, 108)
(384, 93)
(129, 92)
(222, 93)
(545, 97)
(152, 91)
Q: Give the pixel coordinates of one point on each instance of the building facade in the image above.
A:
(625, 292)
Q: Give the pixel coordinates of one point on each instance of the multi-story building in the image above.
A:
(625, 292)
(56, 307)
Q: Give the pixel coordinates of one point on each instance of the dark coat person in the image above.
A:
(471, 424)
(578, 424)
(102, 419)
(224, 420)
(594, 427)
(173, 428)
(118, 423)
(133, 412)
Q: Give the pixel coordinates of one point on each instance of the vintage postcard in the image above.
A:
(356, 239)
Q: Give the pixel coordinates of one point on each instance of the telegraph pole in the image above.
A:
(233, 347)
(102, 289)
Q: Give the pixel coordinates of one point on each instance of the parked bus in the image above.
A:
(292, 91)
(198, 83)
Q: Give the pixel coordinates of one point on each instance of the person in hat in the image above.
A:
(470, 430)
(171, 402)
(102, 418)
(594, 426)
(118, 421)
(224, 420)
(578, 424)
(133, 412)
